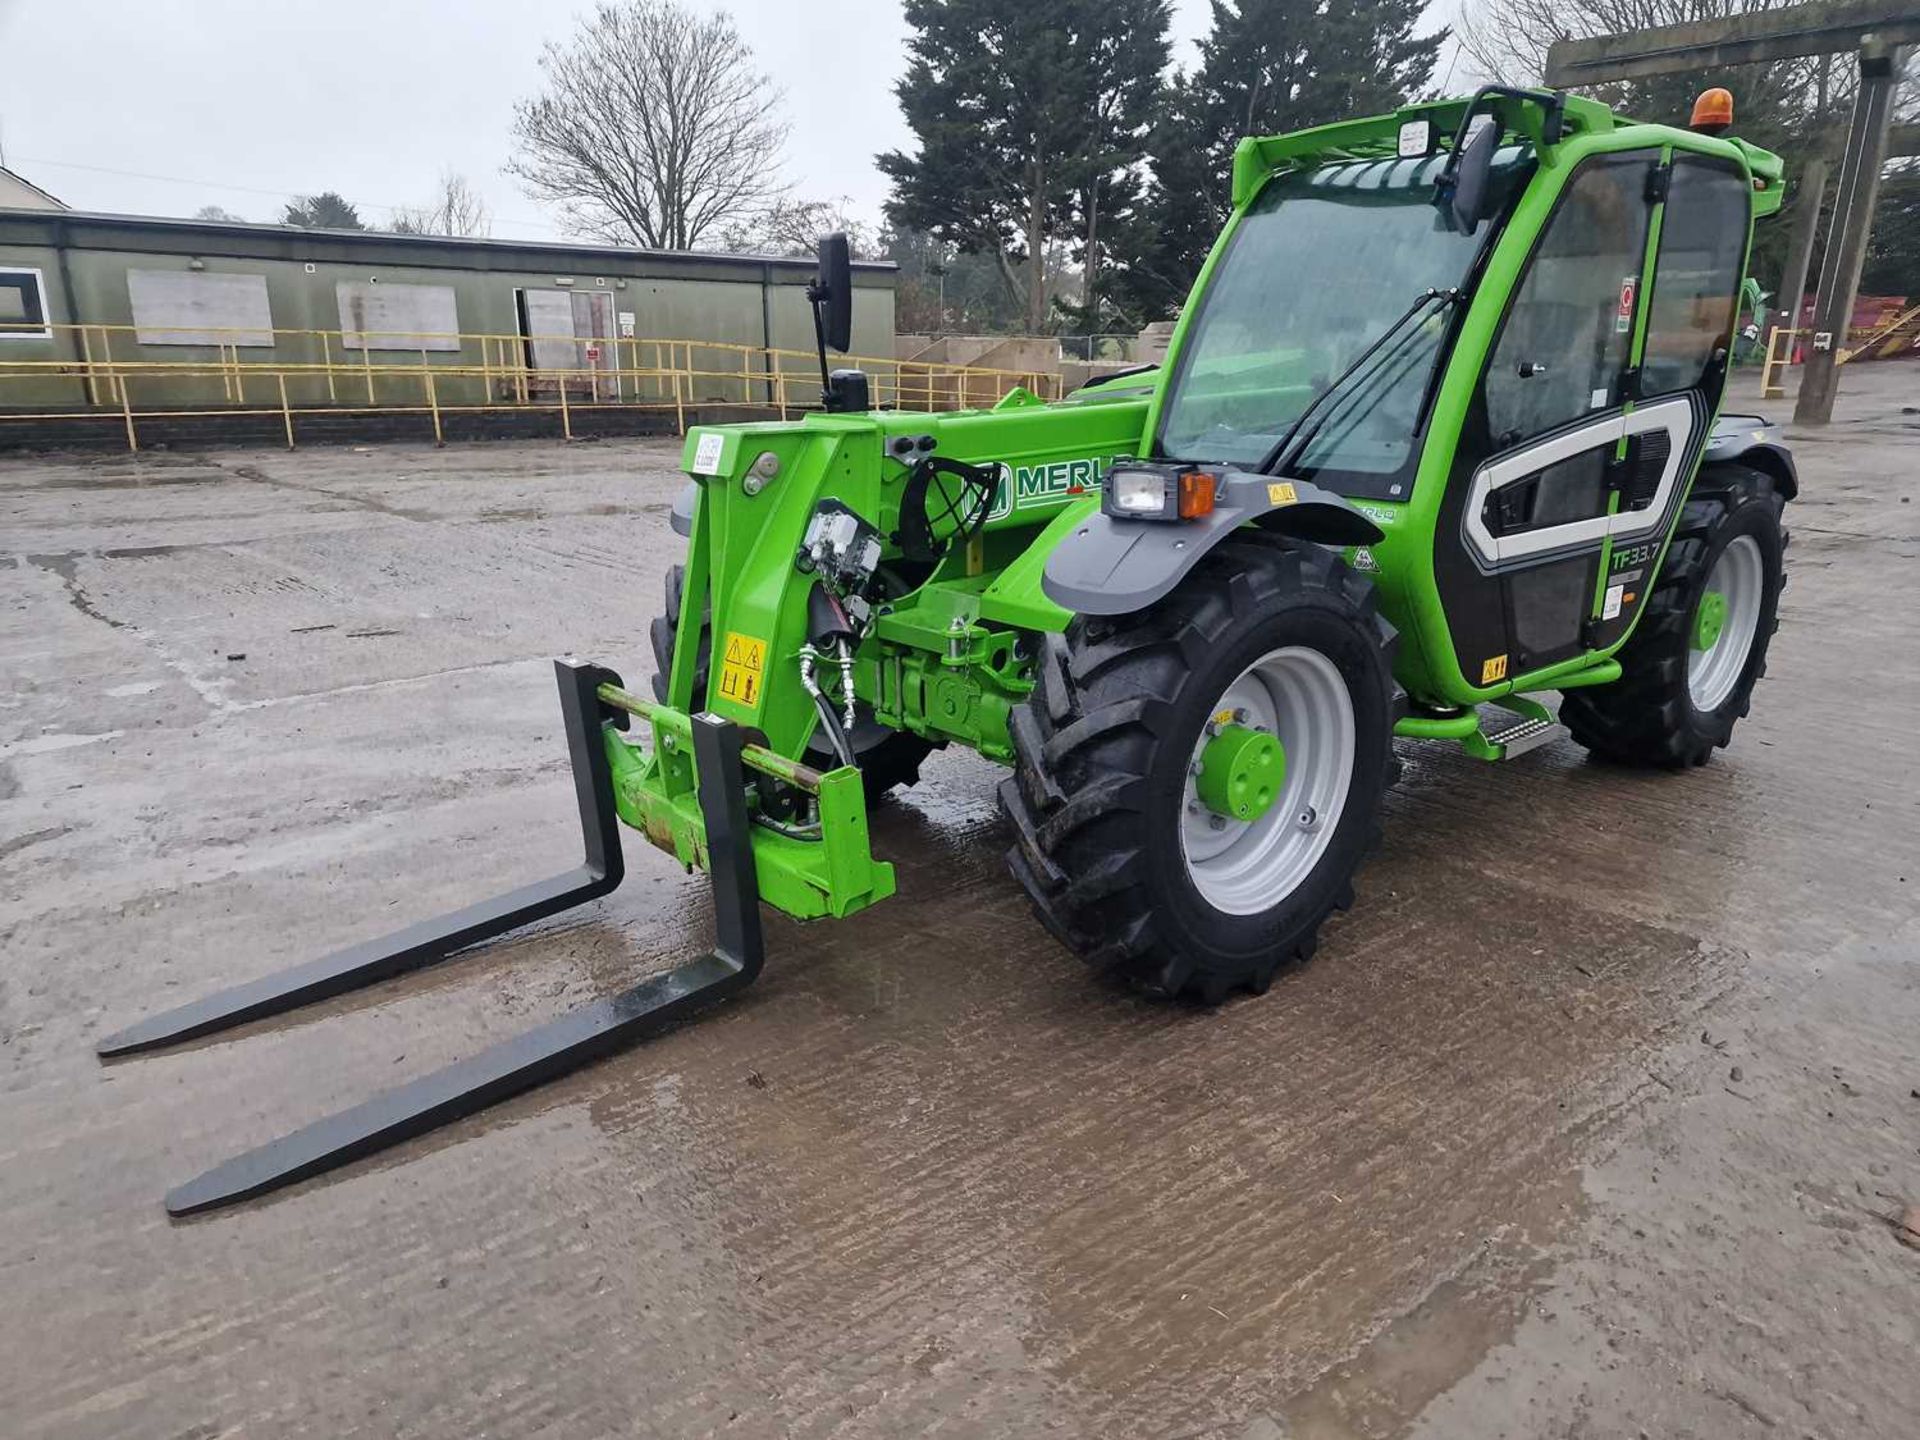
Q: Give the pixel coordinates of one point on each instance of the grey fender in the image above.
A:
(684, 505)
(1752, 441)
(1105, 566)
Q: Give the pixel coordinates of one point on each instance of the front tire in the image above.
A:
(1688, 672)
(1121, 861)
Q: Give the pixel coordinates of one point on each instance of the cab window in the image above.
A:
(1696, 276)
(1568, 332)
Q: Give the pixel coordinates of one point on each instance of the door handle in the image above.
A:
(1510, 508)
(1527, 369)
(1637, 474)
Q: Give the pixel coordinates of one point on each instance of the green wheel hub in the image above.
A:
(1241, 771)
(1709, 620)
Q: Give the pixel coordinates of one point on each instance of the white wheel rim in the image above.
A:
(1739, 578)
(1245, 867)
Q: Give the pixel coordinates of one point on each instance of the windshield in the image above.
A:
(1321, 265)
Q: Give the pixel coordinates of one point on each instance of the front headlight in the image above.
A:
(1158, 492)
(1138, 492)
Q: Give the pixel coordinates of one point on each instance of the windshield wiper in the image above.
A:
(1284, 452)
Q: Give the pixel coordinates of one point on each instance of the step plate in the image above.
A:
(1531, 734)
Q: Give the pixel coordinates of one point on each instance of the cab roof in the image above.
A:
(1527, 113)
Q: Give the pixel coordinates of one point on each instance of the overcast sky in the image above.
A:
(163, 106)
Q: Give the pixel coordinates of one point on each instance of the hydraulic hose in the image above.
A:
(829, 717)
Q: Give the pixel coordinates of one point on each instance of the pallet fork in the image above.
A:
(591, 699)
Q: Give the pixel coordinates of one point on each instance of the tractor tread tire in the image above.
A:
(1647, 717)
(1086, 738)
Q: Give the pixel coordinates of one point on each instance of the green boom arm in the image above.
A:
(948, 662)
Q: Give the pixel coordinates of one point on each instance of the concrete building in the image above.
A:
(19, 193)
(190, 313)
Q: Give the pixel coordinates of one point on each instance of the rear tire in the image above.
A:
(1099, 802)
(889, 759)
(1676, 702)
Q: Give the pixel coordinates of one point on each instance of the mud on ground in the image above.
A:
(1587, 1121)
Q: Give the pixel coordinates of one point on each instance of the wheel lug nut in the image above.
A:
(1217, 822)
(1307, 817)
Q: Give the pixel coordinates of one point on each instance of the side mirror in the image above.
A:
(1464, 192)
(832, 292)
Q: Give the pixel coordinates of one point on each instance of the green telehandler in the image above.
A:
(1435, 436)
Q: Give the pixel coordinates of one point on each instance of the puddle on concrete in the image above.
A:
(47, 744)
(1425, 1352)
(123, 472)
(67, 568)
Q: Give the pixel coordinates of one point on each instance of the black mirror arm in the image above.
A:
(817, 295)
(1552, 124)
(1552, 128)
(831, 295)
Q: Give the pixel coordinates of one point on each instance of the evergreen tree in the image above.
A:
(325, 211)
(1266, 66)
(1125, 52)
(1025, 111)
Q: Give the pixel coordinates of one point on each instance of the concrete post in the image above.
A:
(1793, 280)
(1857, 188)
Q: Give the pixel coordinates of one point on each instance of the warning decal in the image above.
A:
(1494, 669)
(740, 668)
(1281, 494)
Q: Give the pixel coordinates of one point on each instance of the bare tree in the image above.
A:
(654, 127)
(1508, 39)
(456, 209)
(1796, 107)
(792, 227)
(219, 213)
(1800, 104)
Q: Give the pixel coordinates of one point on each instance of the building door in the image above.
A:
(593, 329)
(568, 339)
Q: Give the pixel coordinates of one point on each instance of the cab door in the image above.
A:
(1704, 225)
(1592, 411)
(1532, 493)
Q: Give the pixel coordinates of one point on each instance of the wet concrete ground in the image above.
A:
(1586, 1121)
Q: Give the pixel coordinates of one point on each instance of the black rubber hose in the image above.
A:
(836, 733)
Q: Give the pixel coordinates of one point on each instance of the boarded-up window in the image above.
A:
(199, 307)
(23, 306)
(397, 317)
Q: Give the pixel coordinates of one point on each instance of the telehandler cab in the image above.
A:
(1435, 436)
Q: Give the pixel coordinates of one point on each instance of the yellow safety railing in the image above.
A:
(109, 369)
(1777, 361)
(1873, 343)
